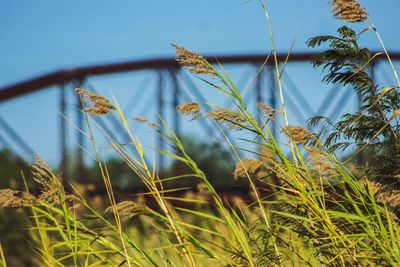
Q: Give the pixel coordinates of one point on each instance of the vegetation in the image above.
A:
(10, 168)
(318, 210)
(375, 127)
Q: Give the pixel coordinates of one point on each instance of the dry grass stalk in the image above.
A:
(10, 198)
(299, 135)
(247, 167)
(349, 10)
(99, 105)
(51, 187)
(269, 111)
(234, 120)
(194, 62)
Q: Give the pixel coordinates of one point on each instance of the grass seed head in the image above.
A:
(97, 111)
(234, 120)
(299, 135)
(10, 198)
(128, 209)
(146, 121)
(320, 162)
(266, 154)
(383, 195)
(194, 62)
(51, 187)
(99, 105)
(349, 10)
(269, 111)
(247, 167)
(190, 108)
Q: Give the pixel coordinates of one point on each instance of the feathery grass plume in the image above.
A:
(269, 111)
(247, 167)
(234, 120)
(299, 135)
(190, 108)
(99, 105)
(129, 209)
(382, 194)
(194, 62)
(10, 198)
(51, 187)
(349, 10)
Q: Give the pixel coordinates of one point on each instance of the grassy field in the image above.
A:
(307, 207)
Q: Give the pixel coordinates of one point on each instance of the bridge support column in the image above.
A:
(259, 96)
(63, 133)
(80, 123)
(160, 111)
(272, 98)
(175, 102)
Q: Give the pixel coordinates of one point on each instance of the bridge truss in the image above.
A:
(163, 86)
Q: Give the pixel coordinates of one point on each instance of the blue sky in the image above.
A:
(43, 35)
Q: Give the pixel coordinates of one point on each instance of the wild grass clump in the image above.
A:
(309, 208)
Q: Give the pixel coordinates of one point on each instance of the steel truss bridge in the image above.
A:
(171, 86)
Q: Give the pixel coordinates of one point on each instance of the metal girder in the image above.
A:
(272, 99)
(63, 131)
(78, 76)
(160, 108)
(17, 139)
(66, 75)
(175, 102)
(80, 123)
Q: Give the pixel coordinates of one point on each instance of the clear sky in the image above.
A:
(43, 35)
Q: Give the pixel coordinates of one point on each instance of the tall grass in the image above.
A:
(319, 213)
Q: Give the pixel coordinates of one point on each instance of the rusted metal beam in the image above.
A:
(160, 110)
(80, 123)
(79, 73)
(17, 140)
(63, 131)
(273, 99)
(259, 94)
(175, 100)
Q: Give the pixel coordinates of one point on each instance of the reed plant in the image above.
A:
(308, 208)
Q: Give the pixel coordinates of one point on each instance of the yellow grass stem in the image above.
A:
(42, 234)
(386, 52)
(151, 182)
(3, 262)
(107, 182)
(277, 73)
(256, 193)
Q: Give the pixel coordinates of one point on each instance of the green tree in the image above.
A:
(374, 128)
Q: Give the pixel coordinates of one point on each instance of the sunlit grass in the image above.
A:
(320, 213)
